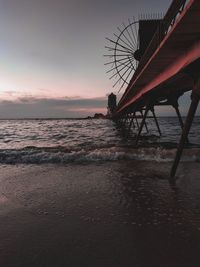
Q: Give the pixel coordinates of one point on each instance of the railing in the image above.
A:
(164, 28)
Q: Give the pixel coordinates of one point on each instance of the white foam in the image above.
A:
(59, 155)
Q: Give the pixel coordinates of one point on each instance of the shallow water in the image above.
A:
(62, 141)
(82, 133)
(93, 206)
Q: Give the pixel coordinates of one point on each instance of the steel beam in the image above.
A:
(156, 121)
(142, 124)
(145, 125)
(188, 123)
(175, 106)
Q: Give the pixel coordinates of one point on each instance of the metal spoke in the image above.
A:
(118, 60)
(119, 65)
(131, 61)
(119, 45)
(121, 61)
(131, 24)
(122, 33)
(122, 77)
(125, 66)
(126, 28)
(110, 55)
(116, 49)
(125, 81)
(136, 31)
(119, 38)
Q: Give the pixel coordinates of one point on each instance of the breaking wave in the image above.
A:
(62, 155)
(65, 141)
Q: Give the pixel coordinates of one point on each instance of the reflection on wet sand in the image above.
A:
(121, 213)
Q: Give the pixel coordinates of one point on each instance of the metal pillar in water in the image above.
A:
(188, 123)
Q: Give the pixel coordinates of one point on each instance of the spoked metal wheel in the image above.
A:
(122, 53)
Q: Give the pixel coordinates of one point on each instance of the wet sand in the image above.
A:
(121, 213)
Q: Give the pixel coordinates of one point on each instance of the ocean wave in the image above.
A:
(62, 155)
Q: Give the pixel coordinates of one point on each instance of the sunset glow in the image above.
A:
(54, 49)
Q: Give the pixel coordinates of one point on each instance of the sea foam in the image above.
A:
(59, 155)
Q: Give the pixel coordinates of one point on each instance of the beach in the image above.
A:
(121, 213)
(98, 172)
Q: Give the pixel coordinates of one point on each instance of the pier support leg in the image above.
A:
(141, 125)
(193, 107)
(156, 121)
(136, 120)
(145, 125)
(133, 120)
(124, 120)
(129, 127)
(131, 123)
(175, 106)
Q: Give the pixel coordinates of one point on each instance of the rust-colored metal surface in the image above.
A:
(169, 67)
(178, 49)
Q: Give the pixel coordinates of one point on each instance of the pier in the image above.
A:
(164, 65)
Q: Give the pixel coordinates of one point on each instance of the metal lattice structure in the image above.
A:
(127, 48)
(121, 59)
(168, 66)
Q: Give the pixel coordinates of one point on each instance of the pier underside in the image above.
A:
(169, 68)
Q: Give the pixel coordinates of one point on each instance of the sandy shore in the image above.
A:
(100, 214)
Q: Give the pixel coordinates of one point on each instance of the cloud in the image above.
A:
(33, 107)
(70, 107)
(10, 92)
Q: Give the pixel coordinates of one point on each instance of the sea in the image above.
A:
(78, 192)
(38, 141)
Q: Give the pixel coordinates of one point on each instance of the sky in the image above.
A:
(51, 53)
